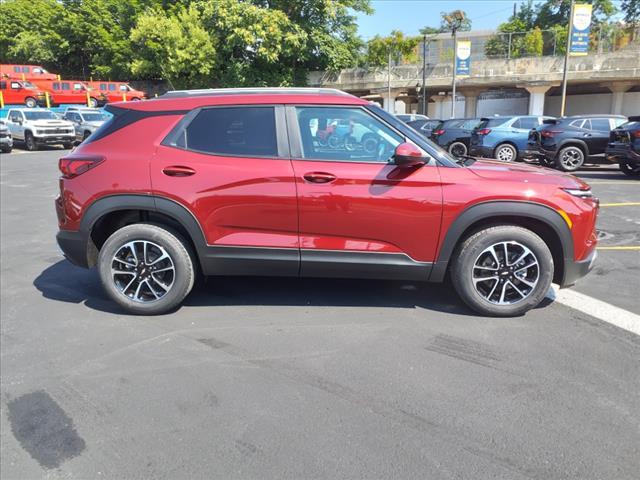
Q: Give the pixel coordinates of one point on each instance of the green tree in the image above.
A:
(631, 11)
(400, 47)
(174, 47)
(533, 43)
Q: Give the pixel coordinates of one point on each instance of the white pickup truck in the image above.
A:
(38, 126)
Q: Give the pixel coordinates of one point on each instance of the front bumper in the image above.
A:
(574, 270)
(50, 139)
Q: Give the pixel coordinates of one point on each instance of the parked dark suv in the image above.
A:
(569, 142)
(624, 147)
(237, 182)
(455, 135)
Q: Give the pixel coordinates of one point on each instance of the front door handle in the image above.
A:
(587, 134)
(319, 177)
(178, 171)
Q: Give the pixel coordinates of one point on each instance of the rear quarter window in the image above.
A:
(234, 131)
(493, 122)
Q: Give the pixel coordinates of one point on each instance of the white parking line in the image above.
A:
(596, 308)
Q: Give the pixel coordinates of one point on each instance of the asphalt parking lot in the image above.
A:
(283, 378)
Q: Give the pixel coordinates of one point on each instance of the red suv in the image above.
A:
(239, 182)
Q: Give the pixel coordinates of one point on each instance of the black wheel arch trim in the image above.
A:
(154, 203)
(501, 208)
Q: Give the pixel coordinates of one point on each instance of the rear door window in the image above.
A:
(234, 131)
(66, 86)
(493, 122)
(578, 123)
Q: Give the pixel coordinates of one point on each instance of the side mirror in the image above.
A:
(408, 155)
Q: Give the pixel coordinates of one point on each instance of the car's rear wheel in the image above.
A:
(30, 142)
(570, 158)
(502, 271)
(506, 153)
(458, 149)
(30, 102)
(146, 269)
(630, 170)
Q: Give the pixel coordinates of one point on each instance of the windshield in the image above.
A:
(94, 117)
(40, 115)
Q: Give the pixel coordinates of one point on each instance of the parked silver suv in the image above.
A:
(6, 142)
(85, 120)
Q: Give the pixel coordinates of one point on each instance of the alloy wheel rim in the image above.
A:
(142, 271)
(506, 273)
(572, 158)
(458, 149)
(505, 154)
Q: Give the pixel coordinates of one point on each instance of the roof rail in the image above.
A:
(254, 91)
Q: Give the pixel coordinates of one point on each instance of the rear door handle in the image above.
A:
(319, 177)
(178, 171)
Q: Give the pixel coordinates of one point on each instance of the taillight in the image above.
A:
(77, 165)
(484, 131)
(636, 134)
(439, 132)
(550, 133)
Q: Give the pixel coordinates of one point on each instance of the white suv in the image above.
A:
(38, 126)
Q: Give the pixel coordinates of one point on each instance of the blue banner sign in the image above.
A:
(463, 58)
(580, 29)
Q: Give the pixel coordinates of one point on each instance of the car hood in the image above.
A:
(49, 123)
(494, 170)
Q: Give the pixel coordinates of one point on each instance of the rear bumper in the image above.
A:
(622, 153)
(574, 270)
(73, 246)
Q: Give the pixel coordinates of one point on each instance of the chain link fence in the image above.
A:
(533, 43)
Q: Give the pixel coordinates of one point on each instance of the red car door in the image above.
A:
(360, 215)
(230, 169)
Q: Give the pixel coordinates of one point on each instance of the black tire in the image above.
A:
(474, 248)
(630, 170)
(85, 135)
(7, 150)
(182, 276)
(458, 149)
(545, 162)
(30, 142)
(67, 146)
(30, 102)
(505, 153)
(570, 158)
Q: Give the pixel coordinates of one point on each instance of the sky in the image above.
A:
(410, 16)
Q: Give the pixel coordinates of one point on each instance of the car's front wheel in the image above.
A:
(502, 271)
(30, 142)
(146, 269)
(630, 170)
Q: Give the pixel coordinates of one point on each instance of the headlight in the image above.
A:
(579, 193)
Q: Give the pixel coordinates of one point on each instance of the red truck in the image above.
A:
(118, 91)
(22, 92)
(26, 72)
(72, 92)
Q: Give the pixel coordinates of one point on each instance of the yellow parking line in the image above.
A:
(620, 204)
(620, 247)
(614, 182)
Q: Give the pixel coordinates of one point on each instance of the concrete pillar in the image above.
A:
(389, 104)
(439, 101)
(536, 98)
(470, 101)
(617, 95)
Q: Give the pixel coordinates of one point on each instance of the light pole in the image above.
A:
(454, 21)
(424, 74)
(389, 84)
(566, 62)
